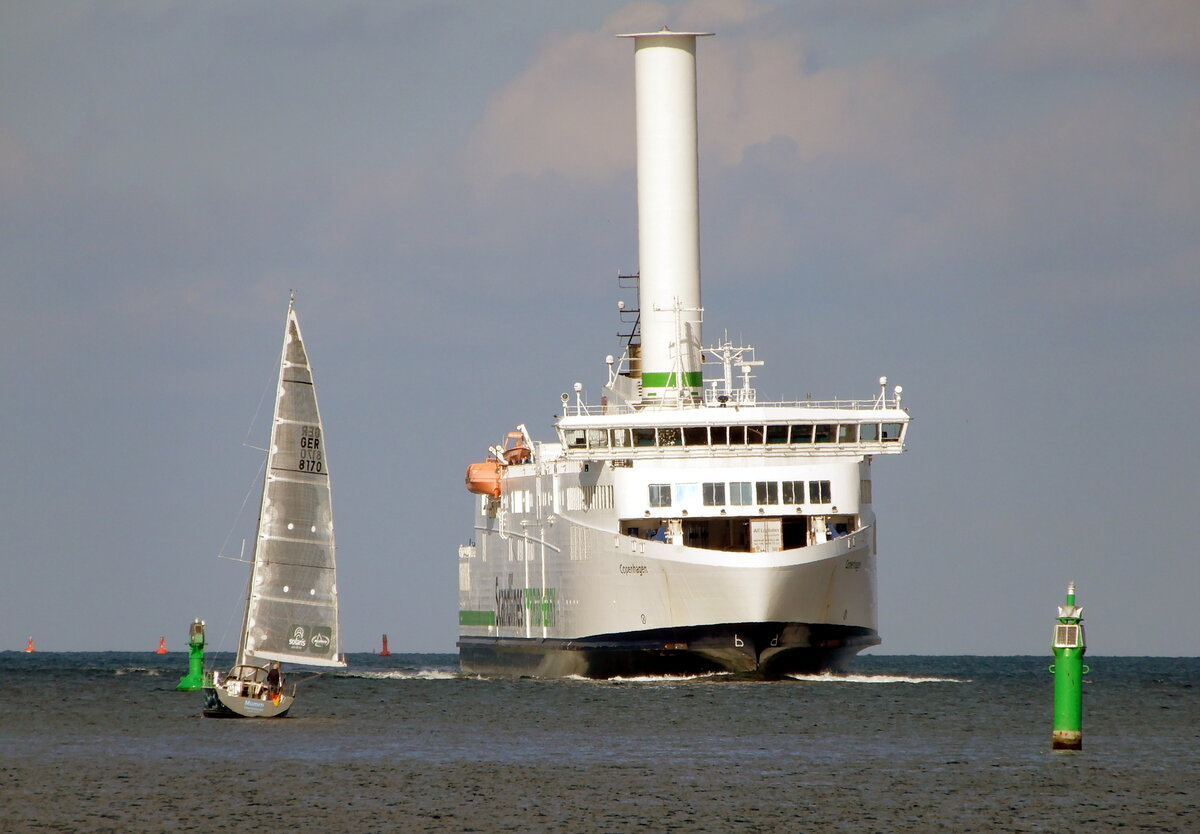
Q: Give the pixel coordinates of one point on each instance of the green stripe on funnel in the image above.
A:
(691, 379)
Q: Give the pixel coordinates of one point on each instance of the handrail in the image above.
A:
(584, 409)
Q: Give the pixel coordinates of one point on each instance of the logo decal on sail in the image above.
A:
(298, 641)
(321, 639)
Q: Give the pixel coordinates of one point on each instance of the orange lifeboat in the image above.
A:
(515, 450)
(484, 478)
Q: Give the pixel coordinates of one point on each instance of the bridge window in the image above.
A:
(720, 435)
(777, 434)
(802, 434)
(824, 433)
(737, 435)
(818, 492)
(695, 435)
(669, 437)
(643, 437)
(597, 438)
(574, 438)
(868, 432)
(620, 438)
(891, 432)
(660, 495)
(848, 433)
(754, 435)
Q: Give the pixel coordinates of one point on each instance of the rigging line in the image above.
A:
(219, 646)
(254, 487)
(257, 409)
(235, 614)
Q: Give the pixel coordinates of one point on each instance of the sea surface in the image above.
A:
(103, 742)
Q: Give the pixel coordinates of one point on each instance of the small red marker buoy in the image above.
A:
(385, 652)
(29, 645)
(162, 645)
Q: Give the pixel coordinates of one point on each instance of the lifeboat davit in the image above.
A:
(484, 478)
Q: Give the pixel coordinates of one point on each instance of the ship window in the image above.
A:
(597, 438)
(643, 437)
(620, 438)
(848, 433)
(802, 434)
(793, 492)
(767, 492)
(739, 493)
(686, 494)
(891, 432)
(737, 435)
(818, 492)
(714, 495)
(574, 438)
(720, 435)
(777, 434)
(868, 432)
(824, 433)
(660, 495)
(695, 435)
(668, 437)
(754, 434)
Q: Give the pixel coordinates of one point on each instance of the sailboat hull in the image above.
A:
(220, 704)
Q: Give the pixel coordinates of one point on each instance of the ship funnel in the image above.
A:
(668, 214)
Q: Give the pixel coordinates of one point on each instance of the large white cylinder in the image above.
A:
(668, 213)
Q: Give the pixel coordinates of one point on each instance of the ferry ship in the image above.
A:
(680, 525)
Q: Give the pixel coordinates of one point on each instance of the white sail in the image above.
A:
(292, 609)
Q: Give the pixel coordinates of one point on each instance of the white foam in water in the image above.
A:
(830, 677)
(647, 678)
(405, 675)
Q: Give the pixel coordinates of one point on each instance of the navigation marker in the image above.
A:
(1068, 670)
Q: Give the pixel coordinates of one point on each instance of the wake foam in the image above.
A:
(649, 678)
(832, 677)
(404, 675)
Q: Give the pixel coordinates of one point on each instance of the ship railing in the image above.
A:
(579, 408)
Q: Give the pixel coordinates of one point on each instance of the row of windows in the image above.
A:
(744, 493)
(806, 433)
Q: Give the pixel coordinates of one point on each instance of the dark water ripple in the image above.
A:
(102, 742)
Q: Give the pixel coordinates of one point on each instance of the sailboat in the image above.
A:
(291, 610)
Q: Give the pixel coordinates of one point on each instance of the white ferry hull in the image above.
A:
(615, 606)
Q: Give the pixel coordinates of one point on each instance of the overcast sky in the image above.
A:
(995, 204)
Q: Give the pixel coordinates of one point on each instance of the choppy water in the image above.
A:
(102, 742)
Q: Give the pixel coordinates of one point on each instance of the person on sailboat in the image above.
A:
(274, 680)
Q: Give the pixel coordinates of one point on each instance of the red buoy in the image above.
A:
(385, 652)
(162, 645)
(29, 645)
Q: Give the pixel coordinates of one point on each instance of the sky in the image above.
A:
(995, 204)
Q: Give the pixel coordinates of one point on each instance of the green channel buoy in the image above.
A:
(1068, 670)
(194, 679)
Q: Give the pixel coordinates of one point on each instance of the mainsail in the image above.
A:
(292, 610)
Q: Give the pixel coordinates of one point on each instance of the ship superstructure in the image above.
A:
(680, 525)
